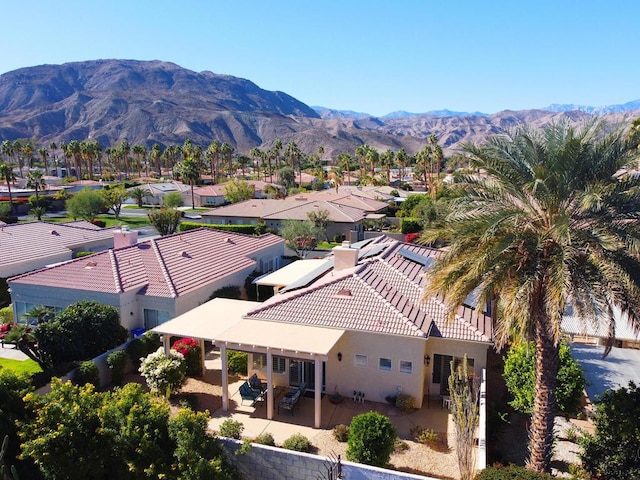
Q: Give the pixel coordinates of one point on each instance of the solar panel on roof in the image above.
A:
(416, 257)
(373, 251)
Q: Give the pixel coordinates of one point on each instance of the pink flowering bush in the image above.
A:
(190, 349)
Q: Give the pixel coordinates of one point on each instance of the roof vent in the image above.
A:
(53, 232)
(90, 265)
(344, 293)
(228, 240)
(184, 254)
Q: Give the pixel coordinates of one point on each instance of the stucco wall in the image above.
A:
(271, 463)
(346, 376)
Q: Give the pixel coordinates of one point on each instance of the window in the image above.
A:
(259, 361)
(406, 367)
(385, 364)
(279, 365)
(442, 370)
(361, 360)
(153, 318)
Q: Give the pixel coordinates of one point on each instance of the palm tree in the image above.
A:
(140, 152)
(75, 150)
(226, 150)
(213, 155)
(53, 147)
(124, 151)
(43, 153)
(156, 157)
(36, 181)
(551, 223)
(138, 195)
(189, 171)
(9, 176)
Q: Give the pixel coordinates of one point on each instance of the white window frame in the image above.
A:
(360, 360)
(384, 368)
(279, 365)
(405, 370)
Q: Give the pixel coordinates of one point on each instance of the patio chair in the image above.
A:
(249, 394)
(292, 397)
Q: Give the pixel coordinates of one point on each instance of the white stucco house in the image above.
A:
(152, 281)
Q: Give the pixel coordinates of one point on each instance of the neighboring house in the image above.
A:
(156, 191)
(597, 333)
(152, 281)
(28, 246)
(361, 326)
(346, 213)
(214, 195)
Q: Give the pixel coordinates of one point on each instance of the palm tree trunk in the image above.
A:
(543, 415)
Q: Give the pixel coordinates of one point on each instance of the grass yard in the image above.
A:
(326, 245)
(110, 220)
(20, 366)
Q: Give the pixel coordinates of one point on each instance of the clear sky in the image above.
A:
(369, 56)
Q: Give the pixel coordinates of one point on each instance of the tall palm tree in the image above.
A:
(124, 151)
(551, 223)
(75, 149)
(140, 152)
(213, 155)
(226, 150)
(189, 171)
(53, 147)
(8, 175)
(43, 153)
(156, 158)
(36, 181)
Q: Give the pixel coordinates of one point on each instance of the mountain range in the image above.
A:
(149, 102)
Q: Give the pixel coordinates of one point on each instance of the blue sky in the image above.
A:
(369, 56)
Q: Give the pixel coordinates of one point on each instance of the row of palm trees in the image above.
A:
(87, 159)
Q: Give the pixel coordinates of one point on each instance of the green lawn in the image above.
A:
(326, 245)
(109, 219)
(20, 366)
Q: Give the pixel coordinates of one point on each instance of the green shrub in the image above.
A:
(512, 472)
(247, 229)
(231, 429)
(410, 225)
(265, 439)
(298, 443)
(341, 432)
(400, 446)
(117, 362)
(426, 436)
(150, 342)
(230, 291)
(371, 439)
(87, 372)
(136, 350)
(83, 254)
(405, 402)
(237, 362)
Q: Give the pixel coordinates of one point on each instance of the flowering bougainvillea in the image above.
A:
(190, 349)
(164, 375)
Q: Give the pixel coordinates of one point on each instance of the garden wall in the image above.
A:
(272, 463)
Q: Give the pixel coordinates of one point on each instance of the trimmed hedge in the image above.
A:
(247, 229)
(512, 472)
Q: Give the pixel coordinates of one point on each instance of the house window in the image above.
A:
(361, 360)
(153, 318)
(385, 364)
(406, 367)
(259, 361)
(279, 365)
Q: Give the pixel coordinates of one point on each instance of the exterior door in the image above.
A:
(300, 371)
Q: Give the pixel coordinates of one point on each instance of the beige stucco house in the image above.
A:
(361, 326)
(214, 195)
(152, 281)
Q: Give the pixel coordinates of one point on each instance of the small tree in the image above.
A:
(117, 361)
(138, 195)
(165, 220)
(519, 375)
(464, 409)
(299, 235)
(238, 191)
(612, 451)
(371, 439)
(173, 200)
(320, 220)
(114, 197)
(86, 204)
(164, 374)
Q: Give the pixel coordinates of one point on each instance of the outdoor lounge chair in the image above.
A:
(249, 394)
(292, 397)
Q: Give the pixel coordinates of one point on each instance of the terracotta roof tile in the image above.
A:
(164, 267)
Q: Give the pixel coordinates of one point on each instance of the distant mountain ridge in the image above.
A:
(620, 108)
(149, 102)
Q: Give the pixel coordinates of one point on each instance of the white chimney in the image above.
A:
(124, 237)
(344, 256)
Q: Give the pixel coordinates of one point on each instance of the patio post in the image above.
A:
(202, 354)
(269, 385)
(318, 392)
(225, 378)
(166, 343)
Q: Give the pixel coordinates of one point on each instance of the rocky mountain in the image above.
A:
(620, 108)
(149, 102)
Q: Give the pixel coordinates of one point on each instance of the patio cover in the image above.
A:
(305, 270)
(207, 321)
(375, 216)
(277, 336)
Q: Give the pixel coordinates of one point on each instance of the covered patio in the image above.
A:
(221, 322)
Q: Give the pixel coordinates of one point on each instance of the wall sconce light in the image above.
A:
(339, 356)
(427, 360)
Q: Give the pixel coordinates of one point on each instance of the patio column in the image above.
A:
(166, 343)
(318, 392)
(202, 354)
(225, 379)
(269, 385)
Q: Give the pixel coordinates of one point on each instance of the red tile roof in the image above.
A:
(381, 294)
(163, 267)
